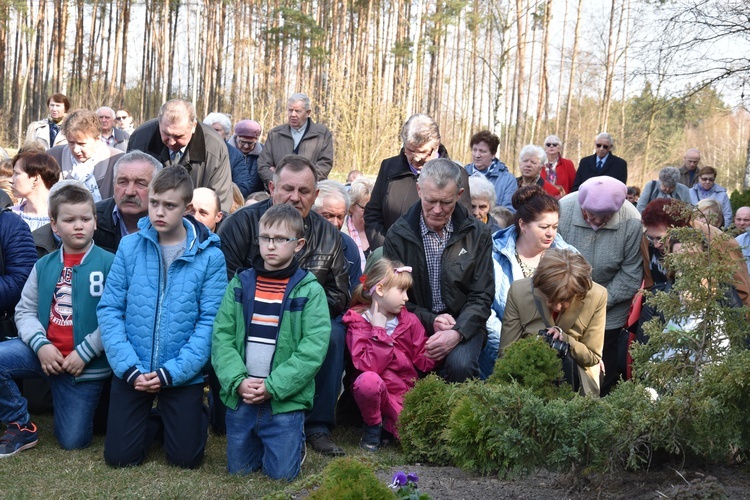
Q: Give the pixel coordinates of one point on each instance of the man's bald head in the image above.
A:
(206, 207)
(742, 218)
(692, 158)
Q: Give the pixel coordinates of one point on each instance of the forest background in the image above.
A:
(660, 76)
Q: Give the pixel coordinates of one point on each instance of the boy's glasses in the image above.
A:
(277, 240)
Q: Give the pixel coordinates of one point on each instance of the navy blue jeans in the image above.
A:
(322, 418)
(74, 402)
(256, 438)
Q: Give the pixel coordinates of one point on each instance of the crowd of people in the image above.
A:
(140, 264)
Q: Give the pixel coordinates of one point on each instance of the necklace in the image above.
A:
(526, 269)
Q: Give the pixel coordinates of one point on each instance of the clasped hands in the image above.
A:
(54, 363)
(445, 338)
(253, 391)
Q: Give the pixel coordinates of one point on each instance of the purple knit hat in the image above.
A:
(602, 195)
(248, 128)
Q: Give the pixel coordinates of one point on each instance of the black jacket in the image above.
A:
(467, 282)
(614, 167)
(395, 190)
(322, 255)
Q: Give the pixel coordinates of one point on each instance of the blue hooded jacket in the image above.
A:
(151, 324)
(500, 177)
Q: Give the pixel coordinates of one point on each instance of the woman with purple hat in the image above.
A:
(607, 231)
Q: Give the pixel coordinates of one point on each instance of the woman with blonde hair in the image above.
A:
(354, 223)
(568, 305)
(85, 157)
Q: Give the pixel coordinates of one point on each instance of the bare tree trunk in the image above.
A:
(29, 69)
(520, 76)
(541, 106)
(574, 59)
(609, 69)
(558, 100)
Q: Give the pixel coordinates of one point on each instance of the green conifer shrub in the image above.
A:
(425, 415)
(349, 479)
(495, 428)
(532, 363)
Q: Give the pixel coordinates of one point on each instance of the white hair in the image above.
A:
(534, 151)
(480, 187)
(330, 188)
(221, 119)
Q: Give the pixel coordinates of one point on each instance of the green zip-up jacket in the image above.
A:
(301, 341)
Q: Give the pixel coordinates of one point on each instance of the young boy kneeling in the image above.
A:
(156, 317)
(58, 332)
(270, 338)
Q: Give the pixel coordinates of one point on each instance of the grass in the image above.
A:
(47, 470)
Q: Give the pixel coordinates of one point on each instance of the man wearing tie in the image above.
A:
(176, 138)
(601, 163)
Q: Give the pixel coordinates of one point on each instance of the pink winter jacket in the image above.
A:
(395, 358)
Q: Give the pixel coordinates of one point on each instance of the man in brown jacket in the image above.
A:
(300, 135)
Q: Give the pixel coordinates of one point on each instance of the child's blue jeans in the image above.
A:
(74, 402)
(256, 438)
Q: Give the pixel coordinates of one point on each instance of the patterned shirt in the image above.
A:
(260, 342)
(434, 245)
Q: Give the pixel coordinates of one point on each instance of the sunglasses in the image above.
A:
(551, 145)
(707, 179)
(603, 146)
(120, 118)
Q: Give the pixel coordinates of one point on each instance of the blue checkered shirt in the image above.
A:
(434, 244)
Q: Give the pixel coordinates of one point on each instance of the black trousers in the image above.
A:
(610, 356)
(181, 411)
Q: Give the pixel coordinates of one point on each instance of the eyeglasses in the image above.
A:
(360, 206)
(707, 179)
(243, 142)
(120, 118)
(603, 146)
(551, 145)
(277, 240)
(653, 239)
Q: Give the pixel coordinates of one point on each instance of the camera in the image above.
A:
(560, 346)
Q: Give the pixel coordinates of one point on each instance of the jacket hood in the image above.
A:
(504, 239)
(714, 189)
(495, 169)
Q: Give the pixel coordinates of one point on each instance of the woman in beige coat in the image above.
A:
(562, 299)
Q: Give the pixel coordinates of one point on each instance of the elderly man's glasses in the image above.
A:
(603, 146)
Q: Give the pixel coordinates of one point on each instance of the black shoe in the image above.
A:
(370, 438)
(386, 438)
(322, 443)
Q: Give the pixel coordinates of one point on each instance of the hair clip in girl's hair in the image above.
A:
(363, 278)
(402, 269)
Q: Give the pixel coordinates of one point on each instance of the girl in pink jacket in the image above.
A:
(386, 343)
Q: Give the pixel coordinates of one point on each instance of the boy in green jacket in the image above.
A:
(270, 338)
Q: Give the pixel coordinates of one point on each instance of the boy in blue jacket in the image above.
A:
(156, 316)
(58, 332)
(270, 338)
